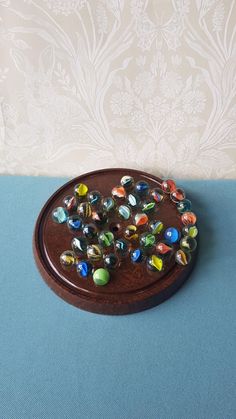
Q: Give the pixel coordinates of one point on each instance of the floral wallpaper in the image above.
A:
(147, 84)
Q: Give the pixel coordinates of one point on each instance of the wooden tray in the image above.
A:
(131, 288)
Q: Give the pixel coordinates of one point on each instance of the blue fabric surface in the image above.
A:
(174, 361)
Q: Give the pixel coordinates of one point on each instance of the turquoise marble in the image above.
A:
(184, 206)
(59, 215)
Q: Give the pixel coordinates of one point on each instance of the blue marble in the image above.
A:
(142, 187)
(172, 235)
(75, 223)
(137, 256)
(84, 268)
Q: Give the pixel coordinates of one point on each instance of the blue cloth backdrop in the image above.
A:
(176, 361)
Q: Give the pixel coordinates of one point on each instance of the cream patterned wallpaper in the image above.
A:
(147, 84)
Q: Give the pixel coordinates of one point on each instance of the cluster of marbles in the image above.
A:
(97, 250)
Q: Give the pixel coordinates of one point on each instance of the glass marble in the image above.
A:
(156, 226)
(74, 222)
(94, 198)
(148, 207)
(111, 261)
(70, 202)
(94, 252)
(188, 218)
(172, 235)
(140, 219)
(142, 188)
(59, 215)
(184, 206)
(190, 230)
(131, 233)
(154, 263)
(182, 258)
(133, 200)
(124, 212)
(116, 228)
(188, 244)
(118, 192)
(137, 256)
(168, 186)
(89, 231)
(68, 259)
(84, 268)
(108, 204)
(127, 182)
(99, 218)
(157, 195)
(79, 246)
(84, 209)
(177, 196)
(101, 277)
(164, 248)
(122, 247)
(80, 190)
(147, 240)
(106, 238)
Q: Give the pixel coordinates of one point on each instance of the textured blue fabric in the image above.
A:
(174, 361)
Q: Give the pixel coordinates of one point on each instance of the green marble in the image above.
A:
(101, 276)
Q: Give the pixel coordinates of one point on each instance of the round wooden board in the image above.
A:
(131, 288)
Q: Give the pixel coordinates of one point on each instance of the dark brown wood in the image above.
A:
(131, 288)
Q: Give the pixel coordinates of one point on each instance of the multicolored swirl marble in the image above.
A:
(178, 195)
(118, 192)
(94, 198)
(111, 261)
(190, 230)
(131, 233)
(84, 210)
(140, 219)
(168, 186)
(94, 252)
(188, 218)
(106, 238)
(188, 244)
(68, 259)
(70, 202)
(124, 212)
(156, 226)
(127, 182)
(182, 258)
(147, 240)
(157, 195)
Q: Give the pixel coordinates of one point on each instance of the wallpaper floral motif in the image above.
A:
(147, 84)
